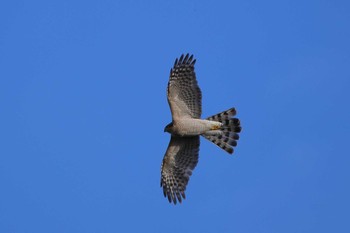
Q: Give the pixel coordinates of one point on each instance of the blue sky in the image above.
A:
(83, 107)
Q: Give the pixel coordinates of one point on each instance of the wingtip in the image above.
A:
(230, 150)
(193, 62)
(176, 61)
(185, 58)
(173, 196)
(181, 58)
(190, 59)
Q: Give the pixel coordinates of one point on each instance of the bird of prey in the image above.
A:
(185, 101)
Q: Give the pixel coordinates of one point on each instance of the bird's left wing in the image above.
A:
(184, 94)
(178, 163)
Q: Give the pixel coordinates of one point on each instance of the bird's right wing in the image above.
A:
(178, 163)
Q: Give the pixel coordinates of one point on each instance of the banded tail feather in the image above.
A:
(228, 135)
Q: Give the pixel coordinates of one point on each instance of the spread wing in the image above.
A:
(184, 94)
(178, 163)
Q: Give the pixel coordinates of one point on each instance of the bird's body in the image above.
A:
(185, 101)
(192, 127)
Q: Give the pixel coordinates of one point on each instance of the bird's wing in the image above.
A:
(178, 163)
(183, 92)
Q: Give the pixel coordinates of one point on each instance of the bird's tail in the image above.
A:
(227, 135)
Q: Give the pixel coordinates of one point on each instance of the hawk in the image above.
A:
(185, 101)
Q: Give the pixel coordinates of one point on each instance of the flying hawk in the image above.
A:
(185, 101)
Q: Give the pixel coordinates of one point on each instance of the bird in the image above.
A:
(185, 102)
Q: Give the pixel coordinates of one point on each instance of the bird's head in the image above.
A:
(169, 127)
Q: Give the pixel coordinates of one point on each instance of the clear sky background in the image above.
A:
(83, 107)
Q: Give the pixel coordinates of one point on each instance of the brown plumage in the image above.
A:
(185, 101)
